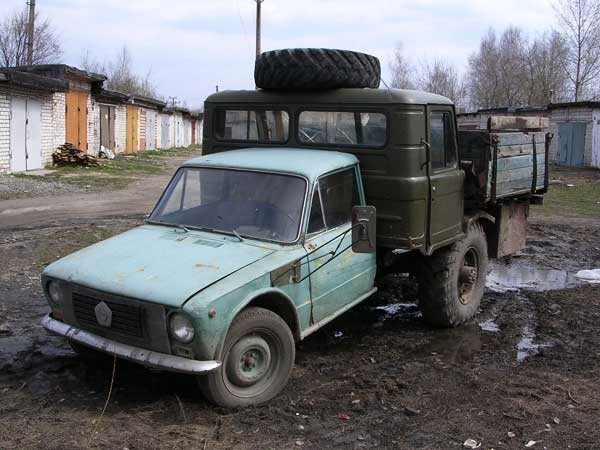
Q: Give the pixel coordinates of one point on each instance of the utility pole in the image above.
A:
(172, 101)
(30, 29)
(258, 3)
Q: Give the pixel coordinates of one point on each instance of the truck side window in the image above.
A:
(339, 192)
(442, 141)
(342, 128)
(257, 126)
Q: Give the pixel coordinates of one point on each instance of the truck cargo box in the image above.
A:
(501, 164)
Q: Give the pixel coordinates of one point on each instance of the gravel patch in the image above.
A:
(21, 187)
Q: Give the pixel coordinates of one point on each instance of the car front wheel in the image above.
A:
(257, 359)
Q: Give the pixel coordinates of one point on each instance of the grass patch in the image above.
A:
(116, 173)
(578, 194)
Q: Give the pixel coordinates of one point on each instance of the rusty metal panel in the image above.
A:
(107, 126)
(510, 230)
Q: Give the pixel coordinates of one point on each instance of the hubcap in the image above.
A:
(248, 361)
(468, 275)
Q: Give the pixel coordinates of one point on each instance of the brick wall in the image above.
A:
(93, 126)
(141, 129)
(59, 117)
(4, 132)
(120, 128)
(578, 114)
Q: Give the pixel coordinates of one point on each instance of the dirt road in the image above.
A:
(137, 199)
(526, 369)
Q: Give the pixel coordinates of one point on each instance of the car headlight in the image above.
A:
(181, 328)
(56, 292)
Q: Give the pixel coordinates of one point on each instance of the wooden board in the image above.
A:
(517, 123)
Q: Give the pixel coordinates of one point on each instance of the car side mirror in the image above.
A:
(364, 231)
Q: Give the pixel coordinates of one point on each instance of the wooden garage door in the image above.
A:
(76, 119)
(132, 130)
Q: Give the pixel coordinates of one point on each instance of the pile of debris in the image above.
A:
(68, 155)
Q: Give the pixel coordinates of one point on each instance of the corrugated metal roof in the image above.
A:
(59, 71)
(582, 104)
(32, 81)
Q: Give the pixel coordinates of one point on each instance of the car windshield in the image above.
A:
(251, 204)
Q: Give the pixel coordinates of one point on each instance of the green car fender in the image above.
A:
(212, 319)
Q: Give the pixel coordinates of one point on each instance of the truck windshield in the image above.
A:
(252, 204)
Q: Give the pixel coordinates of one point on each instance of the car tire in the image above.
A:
(257, 359)
(316, 68)
(452, 280)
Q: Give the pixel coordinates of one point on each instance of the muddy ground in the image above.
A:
(529, 366)
(526, 369)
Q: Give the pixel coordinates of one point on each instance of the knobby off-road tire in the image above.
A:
(316, 68)
(257, 360)
(449, 291)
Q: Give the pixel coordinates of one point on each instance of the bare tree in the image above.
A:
(483, 78)
(442, 78)
(120, 74)
(13, 41)
(548, 80)
(579, 22)
(512, 65)
(402, 71)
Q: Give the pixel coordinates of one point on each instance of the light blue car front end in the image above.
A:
(128, 295)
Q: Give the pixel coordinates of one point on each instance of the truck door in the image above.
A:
(446, 177)
(338, 275)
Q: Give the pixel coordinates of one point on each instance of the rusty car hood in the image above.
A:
(157, 264)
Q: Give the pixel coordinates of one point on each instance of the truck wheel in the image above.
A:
(258, 356)
(316, 68)
(452, 280)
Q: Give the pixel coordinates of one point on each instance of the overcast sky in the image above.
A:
(192, 45)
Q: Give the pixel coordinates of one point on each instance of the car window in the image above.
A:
(257, 126)
(339, 193)
(442, 141)
(315, 221)
(342, 128)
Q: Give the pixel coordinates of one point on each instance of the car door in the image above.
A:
(338, 275)
(446, 177)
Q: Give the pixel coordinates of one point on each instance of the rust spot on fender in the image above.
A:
(206, 266)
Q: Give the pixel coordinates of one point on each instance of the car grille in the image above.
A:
(126, 317)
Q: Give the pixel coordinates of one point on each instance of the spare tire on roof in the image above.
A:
(316, 68)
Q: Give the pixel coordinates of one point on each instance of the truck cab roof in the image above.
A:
(306, 163)
(329, 96)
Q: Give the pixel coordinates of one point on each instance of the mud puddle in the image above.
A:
(517, 276)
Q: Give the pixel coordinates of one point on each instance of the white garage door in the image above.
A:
(25, 134)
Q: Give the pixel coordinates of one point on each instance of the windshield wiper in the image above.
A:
(237, 235)
(182, 227)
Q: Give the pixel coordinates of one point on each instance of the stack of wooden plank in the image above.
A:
(69, 155)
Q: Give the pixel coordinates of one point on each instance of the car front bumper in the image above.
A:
(139, 355)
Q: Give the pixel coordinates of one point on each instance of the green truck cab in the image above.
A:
(301, 199)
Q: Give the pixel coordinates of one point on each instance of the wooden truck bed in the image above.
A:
(503, 163)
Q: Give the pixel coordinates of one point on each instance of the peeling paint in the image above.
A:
(206, 266)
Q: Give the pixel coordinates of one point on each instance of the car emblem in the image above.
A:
(103, 314)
